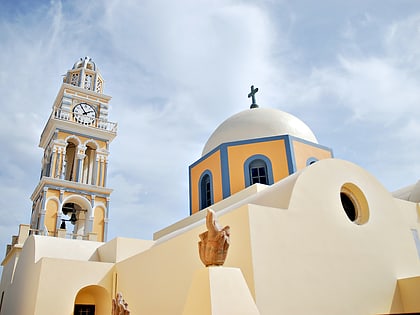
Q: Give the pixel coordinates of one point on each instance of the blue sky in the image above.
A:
(177, 69)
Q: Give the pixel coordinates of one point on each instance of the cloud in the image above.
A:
(176, 70)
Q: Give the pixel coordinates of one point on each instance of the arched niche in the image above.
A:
(93, 297)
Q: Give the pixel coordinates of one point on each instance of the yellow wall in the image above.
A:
(53, 193)
(51, 216)
(60, 287)
(213, 164)
(273, 150)
(157, 281)
(98, 223)
(303, 151)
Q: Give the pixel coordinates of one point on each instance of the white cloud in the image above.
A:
(177, 69)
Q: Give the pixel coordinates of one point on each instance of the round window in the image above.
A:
(354, 203)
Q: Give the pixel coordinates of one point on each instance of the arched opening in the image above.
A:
(354, 203)
(89, 164)
(73, 219)
(206, 193)
(92, 300)
(70, 161)
(348, 206)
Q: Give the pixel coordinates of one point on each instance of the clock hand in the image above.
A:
(84, 112)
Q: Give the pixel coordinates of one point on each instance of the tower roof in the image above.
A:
(86, 63)
(85, 75)
(257, 123)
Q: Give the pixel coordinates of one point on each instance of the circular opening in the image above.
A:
(348, 206)
(354, 203)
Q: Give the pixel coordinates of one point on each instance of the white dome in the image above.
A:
(258, 123)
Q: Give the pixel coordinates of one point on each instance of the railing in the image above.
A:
(62, 114)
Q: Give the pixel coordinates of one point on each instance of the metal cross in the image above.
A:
(252, 95)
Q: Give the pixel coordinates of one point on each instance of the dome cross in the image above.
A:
(252, 95)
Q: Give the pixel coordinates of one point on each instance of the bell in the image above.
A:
(73, 218)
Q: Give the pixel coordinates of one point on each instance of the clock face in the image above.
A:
(84, 113)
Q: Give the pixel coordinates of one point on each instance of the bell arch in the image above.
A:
(70, 160)
(75, 209)
(93, 297)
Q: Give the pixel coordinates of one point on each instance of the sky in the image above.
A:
(177, 69)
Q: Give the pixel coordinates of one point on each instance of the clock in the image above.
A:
(84, 113)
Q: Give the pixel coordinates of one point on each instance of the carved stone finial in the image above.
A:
(119, 306)
(214, 243)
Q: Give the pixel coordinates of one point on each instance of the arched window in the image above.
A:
(258, 172)
(311, 161)
(257, 169)
(206, 191)
(70, 161)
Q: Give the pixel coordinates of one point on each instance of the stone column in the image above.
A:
(79, 167)
(105, 229)
(105, 171)
(62, 166)
(100, 171)
(90, 216)
(43, 210)
(106, 219)
(95, 171)
(56, 163)
(59, 211)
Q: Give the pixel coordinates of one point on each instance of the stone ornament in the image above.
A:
(214, 243)
(119, 306)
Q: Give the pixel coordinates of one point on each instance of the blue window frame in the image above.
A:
(257, 169)
(311, 160)
(206, 190)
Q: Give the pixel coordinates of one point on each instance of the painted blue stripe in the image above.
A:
(189, 179)
(291, 163)
(224, 163)
(257, 140)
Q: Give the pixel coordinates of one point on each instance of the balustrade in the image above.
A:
(62, 114)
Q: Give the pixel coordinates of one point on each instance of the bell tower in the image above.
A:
(71, 199)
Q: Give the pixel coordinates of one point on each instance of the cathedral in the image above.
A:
(304, 232)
